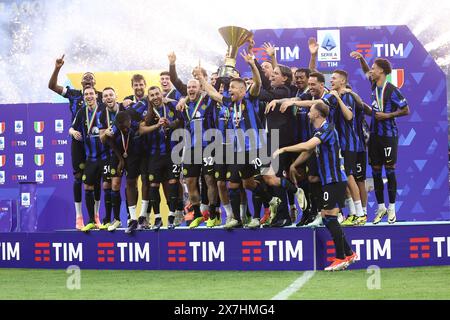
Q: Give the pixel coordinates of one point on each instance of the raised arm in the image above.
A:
(256, 86)
(365, 67)
(270, 50)
(210, 90)
(313, 50)
(53, 82)
(177, 83)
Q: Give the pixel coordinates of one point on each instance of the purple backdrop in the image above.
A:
(422, 166)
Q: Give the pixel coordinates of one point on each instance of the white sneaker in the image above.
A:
(302, 202)
(391, 216)
(379, 215)
(229, 218)
(317, 221)
(116, 224)
(340, 217)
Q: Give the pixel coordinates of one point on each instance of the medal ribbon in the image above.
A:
(125, 146)
(195, 109)
(90, 122)
(380, 102)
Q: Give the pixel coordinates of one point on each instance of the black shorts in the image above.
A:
(361, 164)
(131, 167)
(312, 170)
(161, 168)
(285, 161)
(350, 163)
(143, 165)
(382, 150)
(334, 195)
(93, 172)
(220, 169)
(246, 166)
(195, 169)
(106, 173)
(78, 155)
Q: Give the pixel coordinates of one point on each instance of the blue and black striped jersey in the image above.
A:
(94, 148)
(76, 100)
(328, 155)
(387, 99)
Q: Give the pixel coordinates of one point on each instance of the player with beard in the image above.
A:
(139, 85)
(85, 128)
(325, 145)
(161, 119)
(77, 152)
(197, 114)
(107, 119)
(244, 108)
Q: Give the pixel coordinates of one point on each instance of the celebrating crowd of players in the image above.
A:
(323, 144)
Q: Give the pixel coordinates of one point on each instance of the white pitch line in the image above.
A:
(295, 286)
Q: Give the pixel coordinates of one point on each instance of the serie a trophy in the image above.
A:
(234, 37)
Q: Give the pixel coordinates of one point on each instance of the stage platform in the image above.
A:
(404, 244)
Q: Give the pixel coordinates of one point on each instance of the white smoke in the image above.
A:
(98, 35)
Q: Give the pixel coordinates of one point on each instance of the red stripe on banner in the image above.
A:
(177, 244)
(101, 259)
(110, 252)
(413, 248)
(105, 244)
(172, 251)
(251, 243)
(419, 240)
(102, 252)
(363, 45)
(182, 259)
(47, 252)
(426, 255)
(46, 259)
(257, 251)
(42, 244)
(172, 259)
(37, 251)
(330, 259)
(181, 251)
(425, 247)
(245, 251)
(257, 259)
(110, 259)
(331, 251)
(414, 256)
(37, 259)
(246, 259)
(330, 243)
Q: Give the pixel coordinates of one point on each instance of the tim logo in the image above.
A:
(19, 177)
(110, 252)
(59, 126)
(2, 127)
(9, 251)
(58, 142)
(329, 45)
(419, 248)
(251, 251)
(331, 251)
(282, 53)
(277, 251)
(39, 176)
(59, 159)
(39, 142)
(176, 252)
(18, 126)
(18, 160)
(195, 251)
(389, 50)
(2, 143)
(2, 177)
(45, 252)
(59, 176)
